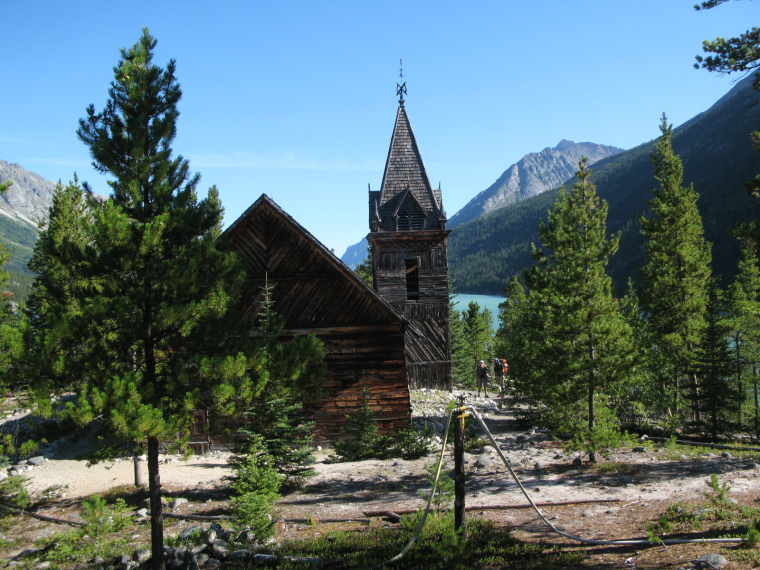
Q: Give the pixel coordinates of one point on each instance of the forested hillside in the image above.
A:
(718, 157)
(20, 238)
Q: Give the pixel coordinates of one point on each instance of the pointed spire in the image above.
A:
(405, 186)
(401, 87)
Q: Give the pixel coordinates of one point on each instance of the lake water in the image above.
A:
(490, 302)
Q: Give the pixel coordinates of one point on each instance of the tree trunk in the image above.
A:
(156, 518)
(591, 419)
(591, 408)
(459, 475)
(695, 392)
(139, 476)
(757, 410)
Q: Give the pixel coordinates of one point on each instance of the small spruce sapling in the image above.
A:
(444, 490)
(364, 440)
(256, 486)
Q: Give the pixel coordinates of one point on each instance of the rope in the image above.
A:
(421, 522)
(570, 536)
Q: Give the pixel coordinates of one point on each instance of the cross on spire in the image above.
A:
(401, 87)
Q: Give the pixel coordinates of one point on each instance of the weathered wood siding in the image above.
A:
(315, 292)
(428, 346)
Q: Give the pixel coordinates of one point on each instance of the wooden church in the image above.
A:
(390, 338)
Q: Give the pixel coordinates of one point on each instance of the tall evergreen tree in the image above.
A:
(512, 339)
(718, 394)
(676, 277)
(54, 309)
(743, 321)
(477, 329)
(152, 282)
(740, 54)
(637, 399)
(11, 338)
(461, 361)
(583, 346)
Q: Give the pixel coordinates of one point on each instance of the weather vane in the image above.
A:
(401, 87)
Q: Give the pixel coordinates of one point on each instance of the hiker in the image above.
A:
(498, 374)
(482, 376)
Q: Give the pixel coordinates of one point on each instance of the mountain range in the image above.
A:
(717, 154)
(22, 207)
(533, 174)
(492, 234)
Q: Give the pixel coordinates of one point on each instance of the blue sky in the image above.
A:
(296, 99)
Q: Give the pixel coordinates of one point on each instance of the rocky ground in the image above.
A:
(615, 499)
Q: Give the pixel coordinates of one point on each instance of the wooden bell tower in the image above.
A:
(408, 243)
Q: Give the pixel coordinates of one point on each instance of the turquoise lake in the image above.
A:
(490, 302)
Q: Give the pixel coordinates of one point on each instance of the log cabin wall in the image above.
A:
(316, 293)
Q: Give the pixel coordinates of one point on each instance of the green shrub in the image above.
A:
(100, 518)
(256, 486)
(365, 442)
(13, 492)
(28, 448)
(718, 491)
(444, 497)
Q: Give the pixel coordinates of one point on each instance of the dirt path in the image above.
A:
(615, 499)
(347, 489)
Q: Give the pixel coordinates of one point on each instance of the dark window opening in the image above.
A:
(403, 220)
(417, 221)
(412, 280)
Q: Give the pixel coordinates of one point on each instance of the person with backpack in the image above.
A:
(498, 373)
(481, 377)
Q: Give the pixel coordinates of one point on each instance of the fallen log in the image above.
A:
(313, 520)
(41, 517)
(701, 444)
(492, 507)
(198, 517)
(316, 520)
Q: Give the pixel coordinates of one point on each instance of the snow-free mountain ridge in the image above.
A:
(533, 174)
(29, 197)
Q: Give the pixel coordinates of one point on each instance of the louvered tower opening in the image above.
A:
(403, 220)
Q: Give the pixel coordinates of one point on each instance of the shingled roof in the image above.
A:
(404, 176)
(309, 284)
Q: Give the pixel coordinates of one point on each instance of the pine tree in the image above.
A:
(364, 269)
(512, 337)
(743, 321)
(461, 362)
(583, 346)
(11, 324)
(54, 310)
(676, 277)
(152, 282)
(275, 419)
(477, 329)
(718, 395)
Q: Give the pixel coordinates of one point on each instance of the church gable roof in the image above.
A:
(310, 286)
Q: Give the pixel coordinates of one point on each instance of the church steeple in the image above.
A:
(405, 193)
(407, 240)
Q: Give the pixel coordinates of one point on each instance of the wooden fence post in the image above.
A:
(459, 507)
